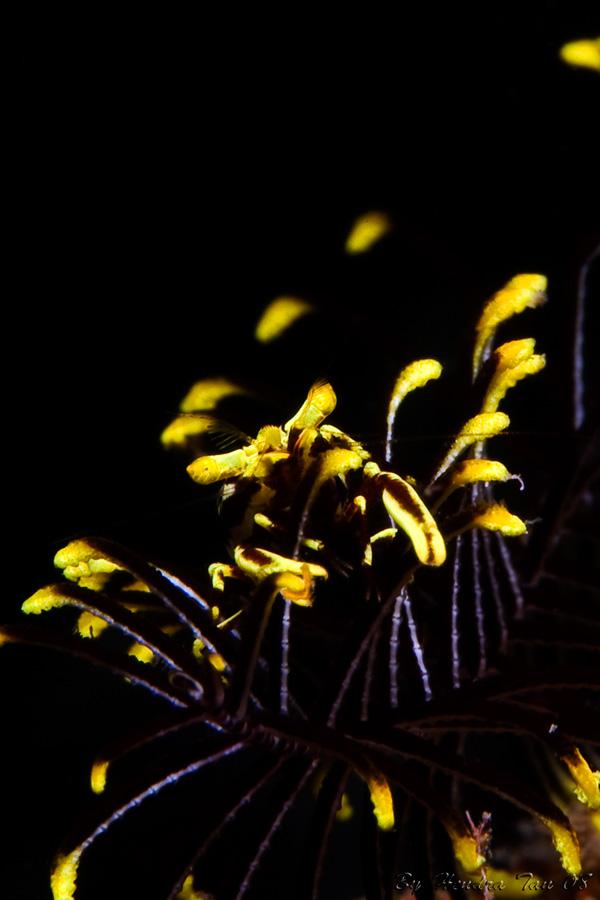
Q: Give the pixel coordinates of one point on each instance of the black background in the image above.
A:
(167, 179)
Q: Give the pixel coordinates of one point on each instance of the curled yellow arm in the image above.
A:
(479, 428)
(411, 515)
(514, 361)
(521, 292)
(413, 376)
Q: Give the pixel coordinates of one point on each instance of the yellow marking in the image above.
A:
(566, 844)
(479, 428)
(465, 848)
(345, 810)
(98, 775)
(90, 626)
(382, 800)
(280, 315)
(64, 875)
(584, 53)
(142, 653)
(514, 361)
(587, 782)
(521, 292)
(188, 892)
(366, 231)
(496, 517)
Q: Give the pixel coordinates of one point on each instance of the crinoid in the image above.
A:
(365, 666)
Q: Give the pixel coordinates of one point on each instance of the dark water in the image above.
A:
(166, 188)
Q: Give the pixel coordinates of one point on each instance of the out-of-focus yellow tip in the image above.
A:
(177, 432)
(584, 54)
(320, 403)
(345, 810)
(595, 820)
(496, 517)
(382, 800)
(521, 292)
(217, 662)
(367, 230)
(514, 361)
(90, 626)
(479, 428)
(566, 844)
(587, 782)
(141, 653)
(46, 598)
(188, 892)
(465, 849)
(4, 638)
(279, 316)
(206, 395)
(64, 876)
(98, 775)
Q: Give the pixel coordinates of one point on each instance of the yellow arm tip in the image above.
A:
(382, 800)
(465, 850)
(521, 292)
(142, 653)
(567, 845)
(64, 876)
(280, 315)
(98, 775)
(587, 782)
(496, 517)
(366, 231)
(583, 54)
(206, 395)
